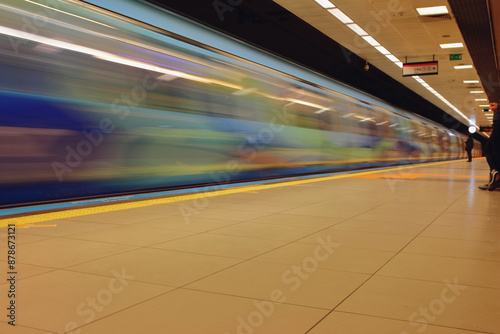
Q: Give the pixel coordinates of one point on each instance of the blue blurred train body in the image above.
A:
(93, 104)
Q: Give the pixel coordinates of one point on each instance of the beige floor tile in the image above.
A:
(347, 323)
(361, 239)
(470, 221)
(380, 227)
(61, 227)
(230, 214)
(448, 304)
(462, 233)
(222, 245)
(319, 210)
(392, 217)
(269, 208)
(163, 210)
(62, 252)
(23, 270)
(61, 300)
(302, 284)
(191, 312)
(188, 223)
(405, 215)
(160, 266)
(132, 235)
(334, 256)
(266, 231)
(8, 329)
(467, 249)
(119, 217)
(21, 238)
(298, 220)
(436, 268)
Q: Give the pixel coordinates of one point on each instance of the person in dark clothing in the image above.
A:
(469, 145)
(492, 151)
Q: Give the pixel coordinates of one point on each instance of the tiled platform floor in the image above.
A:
(406, 251)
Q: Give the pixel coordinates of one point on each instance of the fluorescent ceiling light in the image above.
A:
(462, 67)
(340, 15)
(357, 29)
(451, 45)
(392, 58)
(476, 92)
(370, 40)
(382, 50)
(482, 100)
(484, 105)
(432, 10)
(471, 81)
(325, 4)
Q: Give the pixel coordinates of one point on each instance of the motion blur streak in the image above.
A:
(87, 109)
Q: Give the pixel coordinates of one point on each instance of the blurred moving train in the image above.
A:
(93, 103)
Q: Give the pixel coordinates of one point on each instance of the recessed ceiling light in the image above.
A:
(437, 10)
(392, 58)
(340, 15)
(370, 40)
(462, 67)
(471, 81)
(357, 29)
(325, 4)
(476, 92)
(482, 100)
(451, 45)
(382, 50)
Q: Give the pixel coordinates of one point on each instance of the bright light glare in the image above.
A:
(451, 45)
(423, 83)
(370, 40)
(340, 15)
(437, 10)
(392, 58)
(325, 4)
(382, 50)
(357, 29)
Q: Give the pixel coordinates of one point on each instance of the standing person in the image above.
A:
(492, 150)
(469, 145)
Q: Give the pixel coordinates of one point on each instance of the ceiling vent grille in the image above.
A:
(435, 18)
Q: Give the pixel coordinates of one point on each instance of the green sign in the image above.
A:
(456, 56)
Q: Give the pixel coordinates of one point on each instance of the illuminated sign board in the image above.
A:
(425, 68)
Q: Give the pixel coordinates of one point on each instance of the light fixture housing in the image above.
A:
(429, 11)
(451, 45)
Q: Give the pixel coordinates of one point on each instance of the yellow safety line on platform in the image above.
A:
(65, 214)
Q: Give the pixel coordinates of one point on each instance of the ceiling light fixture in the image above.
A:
(462, 67)
(451, 45)
(423, 83)
(471, 81)
(437, 10)
(325, 4)
(340, 15)
(370, 40)
(357, 29)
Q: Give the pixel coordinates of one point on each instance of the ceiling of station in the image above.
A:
(304, 32)
(397, 26)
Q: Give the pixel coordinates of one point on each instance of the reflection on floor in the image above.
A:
(413, 250)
